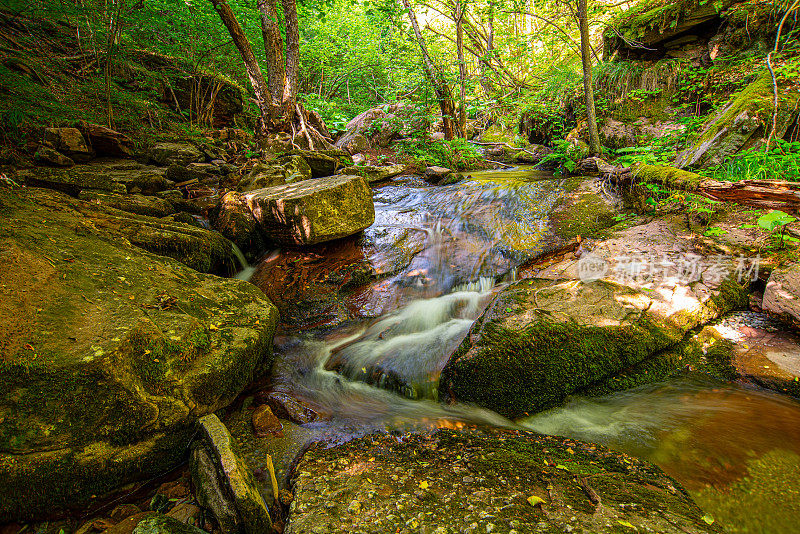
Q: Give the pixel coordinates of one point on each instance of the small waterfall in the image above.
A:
(246, 270)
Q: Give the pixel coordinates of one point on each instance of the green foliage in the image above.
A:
(457, 154)
(775, 222)
(565, 155)
(780, 163)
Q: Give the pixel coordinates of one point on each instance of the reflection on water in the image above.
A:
(715, 438)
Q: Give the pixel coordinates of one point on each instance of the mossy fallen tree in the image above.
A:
(769, 194)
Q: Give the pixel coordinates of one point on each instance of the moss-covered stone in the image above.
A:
(297, 168)
(236, 222)
(741, 123)
(485, 481)
(324, 162)
(374, 173)
(313, 211)
(539, 341)
(585, 211)
(669, 177)
(107, 354)
(138, 204)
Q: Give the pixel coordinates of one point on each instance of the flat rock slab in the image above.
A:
(484, 481)
(313, 211)
(108, 354)
(782, 294)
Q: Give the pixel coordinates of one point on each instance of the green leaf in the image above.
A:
(533, 500)
(708, 519)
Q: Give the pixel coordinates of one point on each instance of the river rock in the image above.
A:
(166, 154)
(313, 211)
(782, 294)
(138, 204)
(111, 177)
(236, 222)
(375, 173)
(68, 141)
(353, 142)
(47, 156)
(110, 354)
(105, 141)
(164, 524)
(585, 210)
(485, 481)
(265, 423)
(224, 482)
(540, 341)
(324, 162)
(296, 168)
(263, 175)
(436, 175)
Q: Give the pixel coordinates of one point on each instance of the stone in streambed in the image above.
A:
(224, 482)
(109, 353)
(166, 154)
(68, 141)
(484, 481)
(235, 221)
(313, 211)
(265, 423)
(105, 141)
(374, 173)
(324, 162)
(263, 175)
(782, 294)
(138, 204)
(47, 156)
(540, 341)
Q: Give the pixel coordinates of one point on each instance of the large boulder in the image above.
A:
(105, 141)
(324, 162)
(296, 167)
(109, 355)
(540, 341)
(68, 141)
(136, 203)
(166, 154)
(353, 142)
(48, 156)
(263, 175)
(235, 221)
(117, 177)
(485, 481)
(741, 123)
(313, 211)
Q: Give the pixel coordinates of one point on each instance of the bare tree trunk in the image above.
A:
(292, 55)
(248, 57)
(458, 16)
(443, 93)
(586, 58)
(486, 83)
(273, 46)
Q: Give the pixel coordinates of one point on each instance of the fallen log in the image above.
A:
(769, 194)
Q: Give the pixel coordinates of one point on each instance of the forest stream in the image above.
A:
(381, 373)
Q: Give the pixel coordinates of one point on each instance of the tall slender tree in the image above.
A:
(588, 89)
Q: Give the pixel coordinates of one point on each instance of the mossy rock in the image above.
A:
(108, 354)
(263, 175)
(324, 162)
(138, 204)
(313, 211)
(235, 221)
(485, 481)
(742, 123)
(670, 177)
(540, 341)
(297, 168)
(374, 173)
(584, 211)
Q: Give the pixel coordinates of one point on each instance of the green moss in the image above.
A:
(670, 177)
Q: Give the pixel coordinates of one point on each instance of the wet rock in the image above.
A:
(73, 180)
(540, 341)
(532, 155)
(313, 211)
(139, 204)
(68, 141)
(374, 173)
(180, 173)
(353, 142)
(236, 222)
(186, 513)
(287, 407)
(124, 511)
(263, 175)
(436, 174)
(224, 483)
(782, 294)
(116, 349)
(296, 168)
(164, 524)
(47, 156)
(323, 163)
(166, 154)
(484, 481)
(265, 423)
(105, 141)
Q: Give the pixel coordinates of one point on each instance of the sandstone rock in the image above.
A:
(584, 211)
(296, 168)
(105, 141)
(263, 175)
(224, 483)
(532, 155)
(287, 407)
(323, 163)
(48, 156)
(236, 222)
(138, 204)
(265, 423)
(375, 173)
(353, 142)
(313, 211)
(110, 354)
(164, 524)
(436, 174)
(72, 180)
(68, 141)
(484, 481)
(540, 341)
(782, 294)
(166, 154)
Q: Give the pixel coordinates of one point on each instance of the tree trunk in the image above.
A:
(273, 46)
(486, 83)
(248, 57)
(458, 16)
(436, 79)
(586, 59)
(292, 55)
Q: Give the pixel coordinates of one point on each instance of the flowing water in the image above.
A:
(440, 252)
